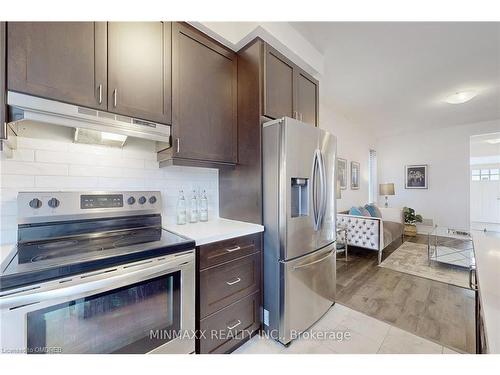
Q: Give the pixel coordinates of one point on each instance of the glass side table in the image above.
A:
(450, 246)
(341, 246)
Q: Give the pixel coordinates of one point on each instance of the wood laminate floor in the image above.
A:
(430, 309)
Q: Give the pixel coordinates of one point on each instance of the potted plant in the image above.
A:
(411, 219)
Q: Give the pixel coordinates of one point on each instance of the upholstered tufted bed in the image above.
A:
(372, 233)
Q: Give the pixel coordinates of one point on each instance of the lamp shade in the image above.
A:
(386, 189)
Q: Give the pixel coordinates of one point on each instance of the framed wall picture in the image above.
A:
(416, 176)
(342, 173)
(355, 175)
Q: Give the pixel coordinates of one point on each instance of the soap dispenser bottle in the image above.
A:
(181, 209)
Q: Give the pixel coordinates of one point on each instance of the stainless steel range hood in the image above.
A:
(27, 107)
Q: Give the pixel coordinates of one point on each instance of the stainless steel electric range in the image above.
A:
(94, 272)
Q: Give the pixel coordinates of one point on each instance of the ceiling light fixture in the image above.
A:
(460, 97)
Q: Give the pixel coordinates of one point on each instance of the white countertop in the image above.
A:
(214, 230)
(487, 254)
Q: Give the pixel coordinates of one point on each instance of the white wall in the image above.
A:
(446, 151)
(46, 159)
(353, 144)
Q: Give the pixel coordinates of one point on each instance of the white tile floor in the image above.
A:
(367, 336)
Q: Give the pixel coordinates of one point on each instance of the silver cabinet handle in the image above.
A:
(236, 325)
(100, 94)
(233, 282)
(115, 94)
(314, 262)
(231, 249)
(178, 141)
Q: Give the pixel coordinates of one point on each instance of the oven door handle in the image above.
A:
(88, 284)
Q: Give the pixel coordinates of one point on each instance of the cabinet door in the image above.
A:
(139, 70)
(64, 61)
(203, 97)
(278, 85)
(307, 98)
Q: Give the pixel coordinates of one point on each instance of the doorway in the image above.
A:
(485, 182)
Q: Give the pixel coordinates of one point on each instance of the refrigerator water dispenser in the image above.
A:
(299, 196)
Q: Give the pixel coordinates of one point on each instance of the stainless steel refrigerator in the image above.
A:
(299, 219)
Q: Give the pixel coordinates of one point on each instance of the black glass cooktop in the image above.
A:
(30, 252)
(59, 254)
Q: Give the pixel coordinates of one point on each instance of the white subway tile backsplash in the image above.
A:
(8, 195)
(66, 157)
(95, 150)
(9, 222)
(120, 162)
(151, 164)
(16, 181)
(9, 207)
(41, 144)
(45, 165)
(66, 182)
(8, 236)
(23, 154)
(90, 170)
(109, 183)
(30, 168)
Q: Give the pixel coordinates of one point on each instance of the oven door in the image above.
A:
(142, 307)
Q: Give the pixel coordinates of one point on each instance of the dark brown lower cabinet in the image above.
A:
(229, 298)
(230, 327)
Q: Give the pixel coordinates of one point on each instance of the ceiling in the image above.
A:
(393, 77)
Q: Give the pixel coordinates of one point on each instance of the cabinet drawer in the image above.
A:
(222, 285)
(227, 328)
(224, 251)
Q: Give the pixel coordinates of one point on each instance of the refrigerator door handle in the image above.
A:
(315, 170)
(314, 262)
(323, 197)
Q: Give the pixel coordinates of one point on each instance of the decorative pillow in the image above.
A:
(364, 211)
(355, 211)
(373, 210)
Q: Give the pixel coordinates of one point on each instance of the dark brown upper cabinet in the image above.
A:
(204, 98)
(279, 77)
(139, 70)
(288, 90)
(307, 98)
(64, 61)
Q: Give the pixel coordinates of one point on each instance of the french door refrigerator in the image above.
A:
(299, 219)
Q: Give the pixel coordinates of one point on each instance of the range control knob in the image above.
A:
(54, 202)
(152, 200)
(131, 200)
(142, 200)
(35, 203)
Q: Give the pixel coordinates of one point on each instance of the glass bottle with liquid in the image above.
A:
(181, 209)
(204, 207)
(193, 210)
